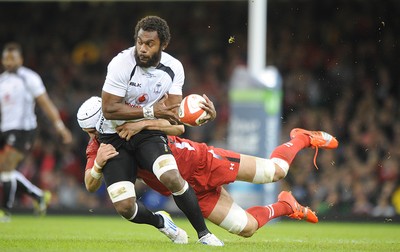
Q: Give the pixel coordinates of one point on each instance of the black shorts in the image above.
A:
(140, 151)
(22, 140)
(2, 140)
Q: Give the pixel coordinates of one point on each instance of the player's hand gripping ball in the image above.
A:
(190, 112)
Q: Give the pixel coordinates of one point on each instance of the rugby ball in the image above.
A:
(190, 112)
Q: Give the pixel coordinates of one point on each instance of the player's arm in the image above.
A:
(114, 108)
(93, 175)
(52, 113)
(172, 99)
(93, 184)
(127, 130)
(165, 126)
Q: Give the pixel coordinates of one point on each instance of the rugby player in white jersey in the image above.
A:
(149, 81)
(20, 89)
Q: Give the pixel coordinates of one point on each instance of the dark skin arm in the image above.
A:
(52, 113)
(173, 101)
(208, 106)
(114, 108)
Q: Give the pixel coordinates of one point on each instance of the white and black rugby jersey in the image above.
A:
(139, 86)
(18, 91)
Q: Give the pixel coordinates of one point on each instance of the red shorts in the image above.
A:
(221, 168)
(204, 167)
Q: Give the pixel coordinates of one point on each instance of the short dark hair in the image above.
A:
(154, 23)
(12, 46)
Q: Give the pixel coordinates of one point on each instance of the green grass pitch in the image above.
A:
(112, 233)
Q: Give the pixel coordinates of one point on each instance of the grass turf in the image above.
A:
(112, 233)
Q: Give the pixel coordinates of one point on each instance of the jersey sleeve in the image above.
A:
(91, 153)
(117, 77)
(179, 80)
(34, 83)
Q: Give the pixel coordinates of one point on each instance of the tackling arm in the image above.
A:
(165, 126)
(92, 184)
(93, 175)
(127, 130)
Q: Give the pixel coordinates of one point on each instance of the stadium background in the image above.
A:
(338, 60)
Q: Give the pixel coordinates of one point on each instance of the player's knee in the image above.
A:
(236, 220)
(279, 173)
(250, 229)
(172, 180)
(281, 168)
(126, 208)
(265, 171)
(123, 196)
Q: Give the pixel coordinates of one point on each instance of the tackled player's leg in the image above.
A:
(261, 170)
(230, 216)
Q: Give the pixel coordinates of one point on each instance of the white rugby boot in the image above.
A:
(210, 240)
(176, 234)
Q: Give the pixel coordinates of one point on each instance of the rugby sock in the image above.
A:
(188, 204)
(145, 216)
(9, 189)
(263, 214)
(289, 150)
(27, 187)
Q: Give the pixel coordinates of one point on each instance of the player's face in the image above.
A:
(11, 60)
(148, 49)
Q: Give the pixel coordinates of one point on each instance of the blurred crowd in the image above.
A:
(337, 59)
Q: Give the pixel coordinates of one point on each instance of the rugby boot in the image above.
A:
(40, 206)
(318, 139)
(299, 212)
(176, 234)
(210, 240)
(5, 216)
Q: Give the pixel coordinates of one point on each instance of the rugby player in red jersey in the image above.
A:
(207, 169)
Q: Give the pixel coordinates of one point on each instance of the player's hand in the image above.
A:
(129, 129)
(104, 153)
(208, 106)
(166, 112)
(65, 135)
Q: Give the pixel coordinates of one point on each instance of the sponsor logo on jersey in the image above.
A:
(135, 84)
(133, 105)
(148, 75)
(157, 88)
(143, 98)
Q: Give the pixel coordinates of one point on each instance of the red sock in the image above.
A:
(289, 150)
(263, 214)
